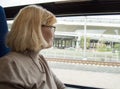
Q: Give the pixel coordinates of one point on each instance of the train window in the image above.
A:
(88, 48)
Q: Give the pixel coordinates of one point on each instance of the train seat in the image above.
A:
(3, 32)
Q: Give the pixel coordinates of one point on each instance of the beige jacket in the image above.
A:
(19, 71)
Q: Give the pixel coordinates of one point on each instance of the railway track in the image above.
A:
(84, 62)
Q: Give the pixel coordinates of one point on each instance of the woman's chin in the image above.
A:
(49, 46)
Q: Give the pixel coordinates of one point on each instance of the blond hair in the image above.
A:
(25, 34)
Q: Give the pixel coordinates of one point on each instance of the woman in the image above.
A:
(24, 67)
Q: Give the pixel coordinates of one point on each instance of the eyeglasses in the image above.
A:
(51, 27)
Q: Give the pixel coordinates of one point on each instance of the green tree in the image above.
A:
(87, 42)
(101, 46)
(117, 47)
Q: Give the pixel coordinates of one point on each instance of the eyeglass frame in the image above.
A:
(52, 27)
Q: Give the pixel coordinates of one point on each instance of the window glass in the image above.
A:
(94, 38)
(87, 51)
